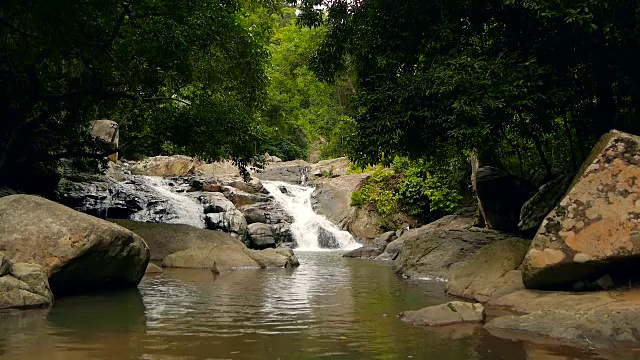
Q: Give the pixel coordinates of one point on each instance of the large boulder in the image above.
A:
(500, 197)
(107, 131)
(589, 319)
(166, 239)
(274, 258)
(77, 251)
(267, 213)
(221, 258)
(373, 251)
(213, 202)
(491, 272)
(261, 236)
(455, 312)
(594, 231)
(438, 247)
(23, 285)
(230, 257)
(166, 166)
(535, 209)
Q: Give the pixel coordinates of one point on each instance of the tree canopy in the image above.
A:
(528, 84)
(182, 76)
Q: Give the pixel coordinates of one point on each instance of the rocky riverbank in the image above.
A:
(588, 243)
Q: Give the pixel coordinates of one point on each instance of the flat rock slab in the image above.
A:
(455, 312)
(589, 319)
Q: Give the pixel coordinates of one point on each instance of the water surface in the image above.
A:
(328, 308)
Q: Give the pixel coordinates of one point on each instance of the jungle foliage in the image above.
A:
(529, 85)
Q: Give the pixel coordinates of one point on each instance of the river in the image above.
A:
(328, 308)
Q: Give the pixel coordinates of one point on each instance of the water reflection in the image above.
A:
(330, 307)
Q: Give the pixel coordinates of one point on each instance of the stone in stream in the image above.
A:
(455, 312)
(593, 319)
(166, 239)
(107, 131)
(595, 229)
(78, 252)
(326, 240)
(23, 285)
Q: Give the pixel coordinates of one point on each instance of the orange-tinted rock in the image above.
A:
(594, 230)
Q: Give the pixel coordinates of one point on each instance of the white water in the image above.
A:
(186, 210)
(306, 223)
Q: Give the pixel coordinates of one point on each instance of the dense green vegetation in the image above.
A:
(300, 109)
(177, 76)
(416, 86)
(529, 85)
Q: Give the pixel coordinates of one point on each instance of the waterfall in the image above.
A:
(182, 209)
(310, 230)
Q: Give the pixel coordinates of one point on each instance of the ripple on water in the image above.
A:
(329, 307)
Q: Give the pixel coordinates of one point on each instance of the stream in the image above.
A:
(328, 308)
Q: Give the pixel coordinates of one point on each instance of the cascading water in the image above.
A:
(310, 230)
(183, 209)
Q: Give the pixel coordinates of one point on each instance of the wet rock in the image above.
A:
(592, 319)
(500, 196)
(77, 251)
(365, 252)
(222, 258)
(166, 239)
(455, 312)
(261, 236)
(274, 258)
(490, 273)
(282, 233)
(240, 198)
(326, 240)
(153, 269)
(23, 285)
(535, 209)
(214, 202)
(229, 221)
(594, 230)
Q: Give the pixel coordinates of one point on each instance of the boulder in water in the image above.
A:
(166, 239)
(23, 285)
(326, 240)
(213, 202)
(267, 213)
(221, 258)
(153, 269)
(77, 251)
(455, 312)
(274, 258)
(491, 272)
(595, 230)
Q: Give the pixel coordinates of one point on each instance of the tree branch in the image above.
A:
(116, 30)
(168, 98)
